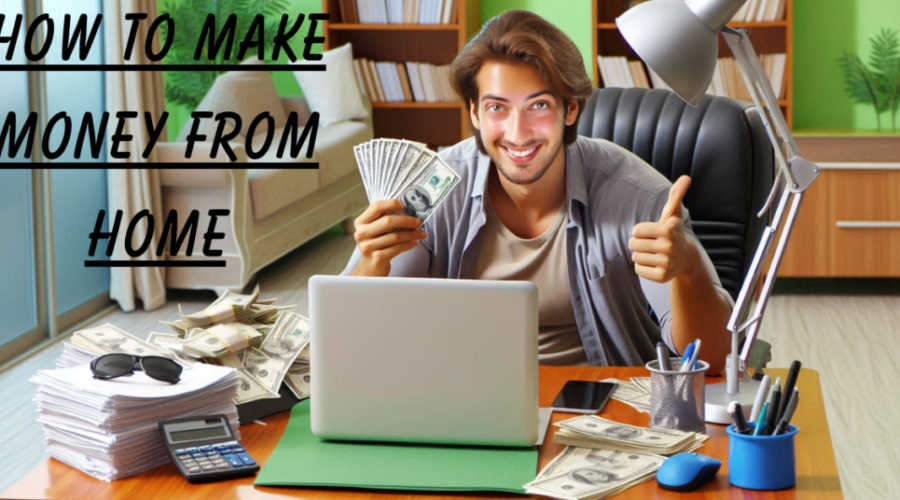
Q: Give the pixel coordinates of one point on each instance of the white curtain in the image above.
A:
(133, 190)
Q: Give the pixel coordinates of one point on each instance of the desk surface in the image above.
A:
(817, 476)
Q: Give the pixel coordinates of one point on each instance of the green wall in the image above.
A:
(823, 29)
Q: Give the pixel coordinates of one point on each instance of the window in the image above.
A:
(46, 214)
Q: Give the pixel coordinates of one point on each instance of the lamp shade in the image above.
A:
(676, 44)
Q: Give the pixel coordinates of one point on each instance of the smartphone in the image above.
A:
(579, 396)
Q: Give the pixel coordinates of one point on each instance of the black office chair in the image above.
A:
(721, 144)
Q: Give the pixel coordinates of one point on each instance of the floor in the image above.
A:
(847, 330)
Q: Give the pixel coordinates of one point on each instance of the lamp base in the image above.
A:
(717, 401)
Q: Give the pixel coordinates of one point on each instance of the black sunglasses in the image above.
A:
(116, 365)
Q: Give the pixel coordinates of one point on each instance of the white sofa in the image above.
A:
(272, 211)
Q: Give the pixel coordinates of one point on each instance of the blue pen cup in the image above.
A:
(761, 462)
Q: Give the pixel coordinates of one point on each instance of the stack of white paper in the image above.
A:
(109, 428)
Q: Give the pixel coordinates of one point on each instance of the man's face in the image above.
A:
(521, 122)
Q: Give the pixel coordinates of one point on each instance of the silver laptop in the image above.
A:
(424, 360)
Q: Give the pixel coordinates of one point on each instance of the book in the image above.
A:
(357, 71)
(348, 11)
(376, 81)
(415, 83)
(404, 82)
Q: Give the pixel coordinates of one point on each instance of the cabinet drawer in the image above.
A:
(865, 195)
(848, 226)
(865, 251)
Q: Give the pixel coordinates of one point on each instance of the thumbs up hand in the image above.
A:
(660, 250)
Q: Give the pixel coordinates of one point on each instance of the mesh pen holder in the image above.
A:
(677, 398)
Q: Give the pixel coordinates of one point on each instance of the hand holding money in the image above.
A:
(379, 239)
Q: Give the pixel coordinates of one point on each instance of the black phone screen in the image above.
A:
(583, 395)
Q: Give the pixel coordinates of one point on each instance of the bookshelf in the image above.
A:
(768, 37)
(433, 123)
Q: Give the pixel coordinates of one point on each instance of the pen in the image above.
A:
(762, 420)
(737, 415)
(788, 413)
(788, 389)
(686, 359)
(773, 409)
(695, 355)
(662, 354)
(761, 395)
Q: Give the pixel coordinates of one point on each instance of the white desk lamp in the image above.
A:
(679, 41)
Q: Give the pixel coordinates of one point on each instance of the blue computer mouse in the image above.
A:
(687, 471)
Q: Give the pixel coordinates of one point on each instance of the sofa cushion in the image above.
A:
(334, 93)
(272, 189)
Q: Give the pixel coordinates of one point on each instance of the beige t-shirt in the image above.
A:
(543, 261)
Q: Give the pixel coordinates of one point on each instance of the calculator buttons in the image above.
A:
(212, 453)
(193, 470)
(204, 448)
(238, 449)
(246, 459)
(191, 450)
(233, 460)
(181, 452)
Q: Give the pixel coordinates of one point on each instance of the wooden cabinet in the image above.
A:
(849, 223)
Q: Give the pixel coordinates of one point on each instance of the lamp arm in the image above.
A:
(798, 173)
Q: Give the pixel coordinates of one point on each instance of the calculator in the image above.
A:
(204, 449)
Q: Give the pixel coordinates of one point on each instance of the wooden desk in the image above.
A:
(817, 476)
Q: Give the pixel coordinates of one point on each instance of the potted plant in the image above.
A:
(189, 88)
(880, 84)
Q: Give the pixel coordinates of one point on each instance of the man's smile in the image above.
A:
(521, 155)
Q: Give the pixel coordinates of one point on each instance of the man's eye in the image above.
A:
(541, 105)
(494, 107)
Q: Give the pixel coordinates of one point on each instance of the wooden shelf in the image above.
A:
(394, 27)
(768, 37)
(432, 123)
(416, 105)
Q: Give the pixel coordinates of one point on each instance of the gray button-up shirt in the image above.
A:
(609, 191)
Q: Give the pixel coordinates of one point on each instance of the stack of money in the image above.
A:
(591, 431)
(229, 308)
(635, 393)
(265, 350)
(592, 474)
(405, 171)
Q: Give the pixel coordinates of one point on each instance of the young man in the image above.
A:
(601, 233)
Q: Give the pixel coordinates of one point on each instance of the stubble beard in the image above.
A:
(518, 175)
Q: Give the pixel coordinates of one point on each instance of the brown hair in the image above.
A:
(522, 37)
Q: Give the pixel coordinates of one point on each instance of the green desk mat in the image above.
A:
(302, 459)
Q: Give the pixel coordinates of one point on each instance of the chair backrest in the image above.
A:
(721, 144)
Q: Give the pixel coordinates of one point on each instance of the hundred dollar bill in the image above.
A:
(227, 307)
(250, 389)
(428, 189)
(297, 380)
(263, 368)
(581, 473)
(219, 340)
(106, 339)
(593, 425)
(288, 338)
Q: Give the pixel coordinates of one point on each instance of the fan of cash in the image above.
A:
(405, 171)
(604, 458)
(266, 344)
